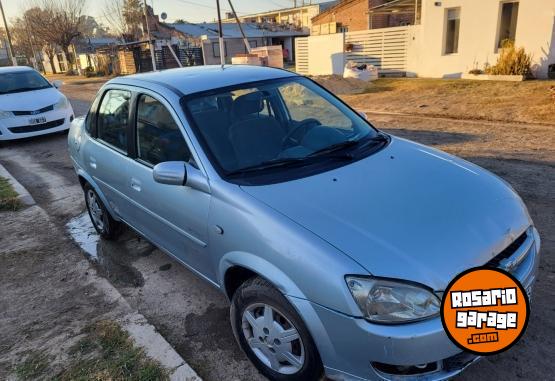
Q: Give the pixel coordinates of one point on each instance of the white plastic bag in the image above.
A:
(363, 72)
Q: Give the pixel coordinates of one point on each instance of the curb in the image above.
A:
(24, 196)
(140, 330)
(157, 348)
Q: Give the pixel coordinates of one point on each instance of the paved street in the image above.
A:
(193, 317)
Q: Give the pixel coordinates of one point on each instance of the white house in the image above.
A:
(456, 36)
(300, 17)
(257, 36)
(451, 38)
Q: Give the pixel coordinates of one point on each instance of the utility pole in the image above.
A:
(149, 39)
(10, 47)
(245, 39)
(221, 37)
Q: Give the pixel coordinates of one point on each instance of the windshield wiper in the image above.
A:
(378, 139)
(25, 89)
(276, 163)
(330, 152)
(335, 148)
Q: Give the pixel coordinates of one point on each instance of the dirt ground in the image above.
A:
(48, 294)
(526, 102)
(190, 314)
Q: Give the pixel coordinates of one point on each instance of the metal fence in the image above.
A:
(384, 48)
(301, 55)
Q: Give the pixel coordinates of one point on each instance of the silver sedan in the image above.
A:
(332, 240)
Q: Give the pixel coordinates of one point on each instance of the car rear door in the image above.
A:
(173, 217)
(106, 156)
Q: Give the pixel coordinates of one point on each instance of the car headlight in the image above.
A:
(5, 114)
(62, 104)
(394, 302)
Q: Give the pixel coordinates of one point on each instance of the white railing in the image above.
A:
(384, 48)
(301, 55)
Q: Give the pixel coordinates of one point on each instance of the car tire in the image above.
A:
(288, 359)
(104, 224)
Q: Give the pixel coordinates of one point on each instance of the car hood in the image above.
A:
(29, 100)
(407, 212)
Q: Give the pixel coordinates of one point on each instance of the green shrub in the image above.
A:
(512, 61)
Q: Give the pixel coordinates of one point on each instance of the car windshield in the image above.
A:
(21, 81)
(276, 124)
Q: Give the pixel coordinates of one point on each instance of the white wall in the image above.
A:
(325, 54)
(478, 36)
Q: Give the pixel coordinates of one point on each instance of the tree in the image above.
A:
(125, 18)
(58, 22)
(29, 37)
(21, 39)
(91, 28)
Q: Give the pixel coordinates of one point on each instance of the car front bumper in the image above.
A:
(19, 127)
(351, 348)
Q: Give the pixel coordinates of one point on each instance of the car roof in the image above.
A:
(15, 69)
(196, 79)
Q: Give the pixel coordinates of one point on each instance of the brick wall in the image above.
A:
(351, 14)
(391, 20)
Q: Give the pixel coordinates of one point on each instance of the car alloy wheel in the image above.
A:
(103, 222)
(272, 333)
(96, 211)
(273, 338)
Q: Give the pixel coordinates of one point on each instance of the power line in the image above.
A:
(205, 6)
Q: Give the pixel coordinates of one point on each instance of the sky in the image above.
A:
(189, 10)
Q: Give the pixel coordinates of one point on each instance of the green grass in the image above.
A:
(8, 197)
(107, 353)
(34, 366)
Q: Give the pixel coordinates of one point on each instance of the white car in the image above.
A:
(30, 105)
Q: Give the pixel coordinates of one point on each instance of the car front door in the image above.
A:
(173, 217)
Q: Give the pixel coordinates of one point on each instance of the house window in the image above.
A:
(507, 24)
(216, 49)
(453, 23)
(342, 29)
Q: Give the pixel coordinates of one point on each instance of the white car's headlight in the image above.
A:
(5, 114)
(62, 104)
(394, 302)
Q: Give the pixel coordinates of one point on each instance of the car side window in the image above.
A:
(113, 117)
(89, 119)
(159, 138)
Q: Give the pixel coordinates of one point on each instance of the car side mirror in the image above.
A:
(179, 173)
(57, 83)
(363, 115)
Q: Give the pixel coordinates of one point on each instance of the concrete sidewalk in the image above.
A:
(51, 293)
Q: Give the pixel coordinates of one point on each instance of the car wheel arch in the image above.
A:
(86, 179)
(238, 267)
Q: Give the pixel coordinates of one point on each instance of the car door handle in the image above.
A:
(136, 184)
(92, 162)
